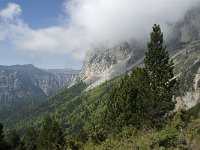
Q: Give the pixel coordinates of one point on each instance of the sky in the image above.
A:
(58, 33)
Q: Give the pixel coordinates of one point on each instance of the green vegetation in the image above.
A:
(176, 134)
(128, 112)
(51, 135)
(145, 97)
(2, 138)
(32, 114)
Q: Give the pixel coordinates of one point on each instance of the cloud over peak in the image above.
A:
(117, 20)
(89, 22)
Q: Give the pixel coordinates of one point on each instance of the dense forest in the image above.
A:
(134, 111)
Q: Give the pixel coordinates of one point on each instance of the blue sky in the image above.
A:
(58, 33)
(37, 14)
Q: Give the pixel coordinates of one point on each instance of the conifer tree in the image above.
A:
(120, 106)
(51, 135)
(1, 134)
(30, 139)
(2, 139)
(146, 96)
(140, 79)
(161, 78)
(14, 141)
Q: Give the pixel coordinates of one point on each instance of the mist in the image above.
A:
(111, 21)
(91, 22)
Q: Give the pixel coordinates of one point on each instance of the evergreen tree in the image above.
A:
(142, 104)
(1, 135)
(120, 106)
(14, 141)
(30, 139)
(51, 136)
(146, 96)
(2, 139)
(161, 78)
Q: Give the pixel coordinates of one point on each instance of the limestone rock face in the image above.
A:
(187, 29)
(102, 63)
(26, 82)
(64, 76)
(185, 43)
(101, 59)
(187, 69)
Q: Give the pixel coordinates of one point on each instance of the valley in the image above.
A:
(131, 95)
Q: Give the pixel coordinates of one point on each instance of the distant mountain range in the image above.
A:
(26, 82)
(81, 104)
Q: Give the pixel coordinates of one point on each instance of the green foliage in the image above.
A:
(193, 112)
(129, 112)
(145, 97)
(130, 138)
(160, 70)
(120, 106)
(177, 120)
(143, 109)
(167, 136)
(30, 139)
(74, 108)
(51, 136)
(97, 134)
(194, 134)
(3, 144)
(59, 105)
(14, 141)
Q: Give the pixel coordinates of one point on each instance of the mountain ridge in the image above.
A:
(29, 82)
(103, 64)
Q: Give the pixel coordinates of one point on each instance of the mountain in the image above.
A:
(26, 82)
(64, 76)
(186, 29)
(102, 64)
(82, 104)
(184, 46)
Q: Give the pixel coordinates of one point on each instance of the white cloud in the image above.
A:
(52, 39)
(11, 11)
(116, 20)
(89, 22)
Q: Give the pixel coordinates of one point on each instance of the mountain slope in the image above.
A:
(77, 108)
(103, 64)
(184, 45)
(28, 82)
(73, 107)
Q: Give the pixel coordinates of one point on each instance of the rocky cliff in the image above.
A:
(185, 51)
(102, 63)
(64, 76)
(187, 29)
(26, 82)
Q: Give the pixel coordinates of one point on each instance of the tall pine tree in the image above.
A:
(161, 78)
(146, 96)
